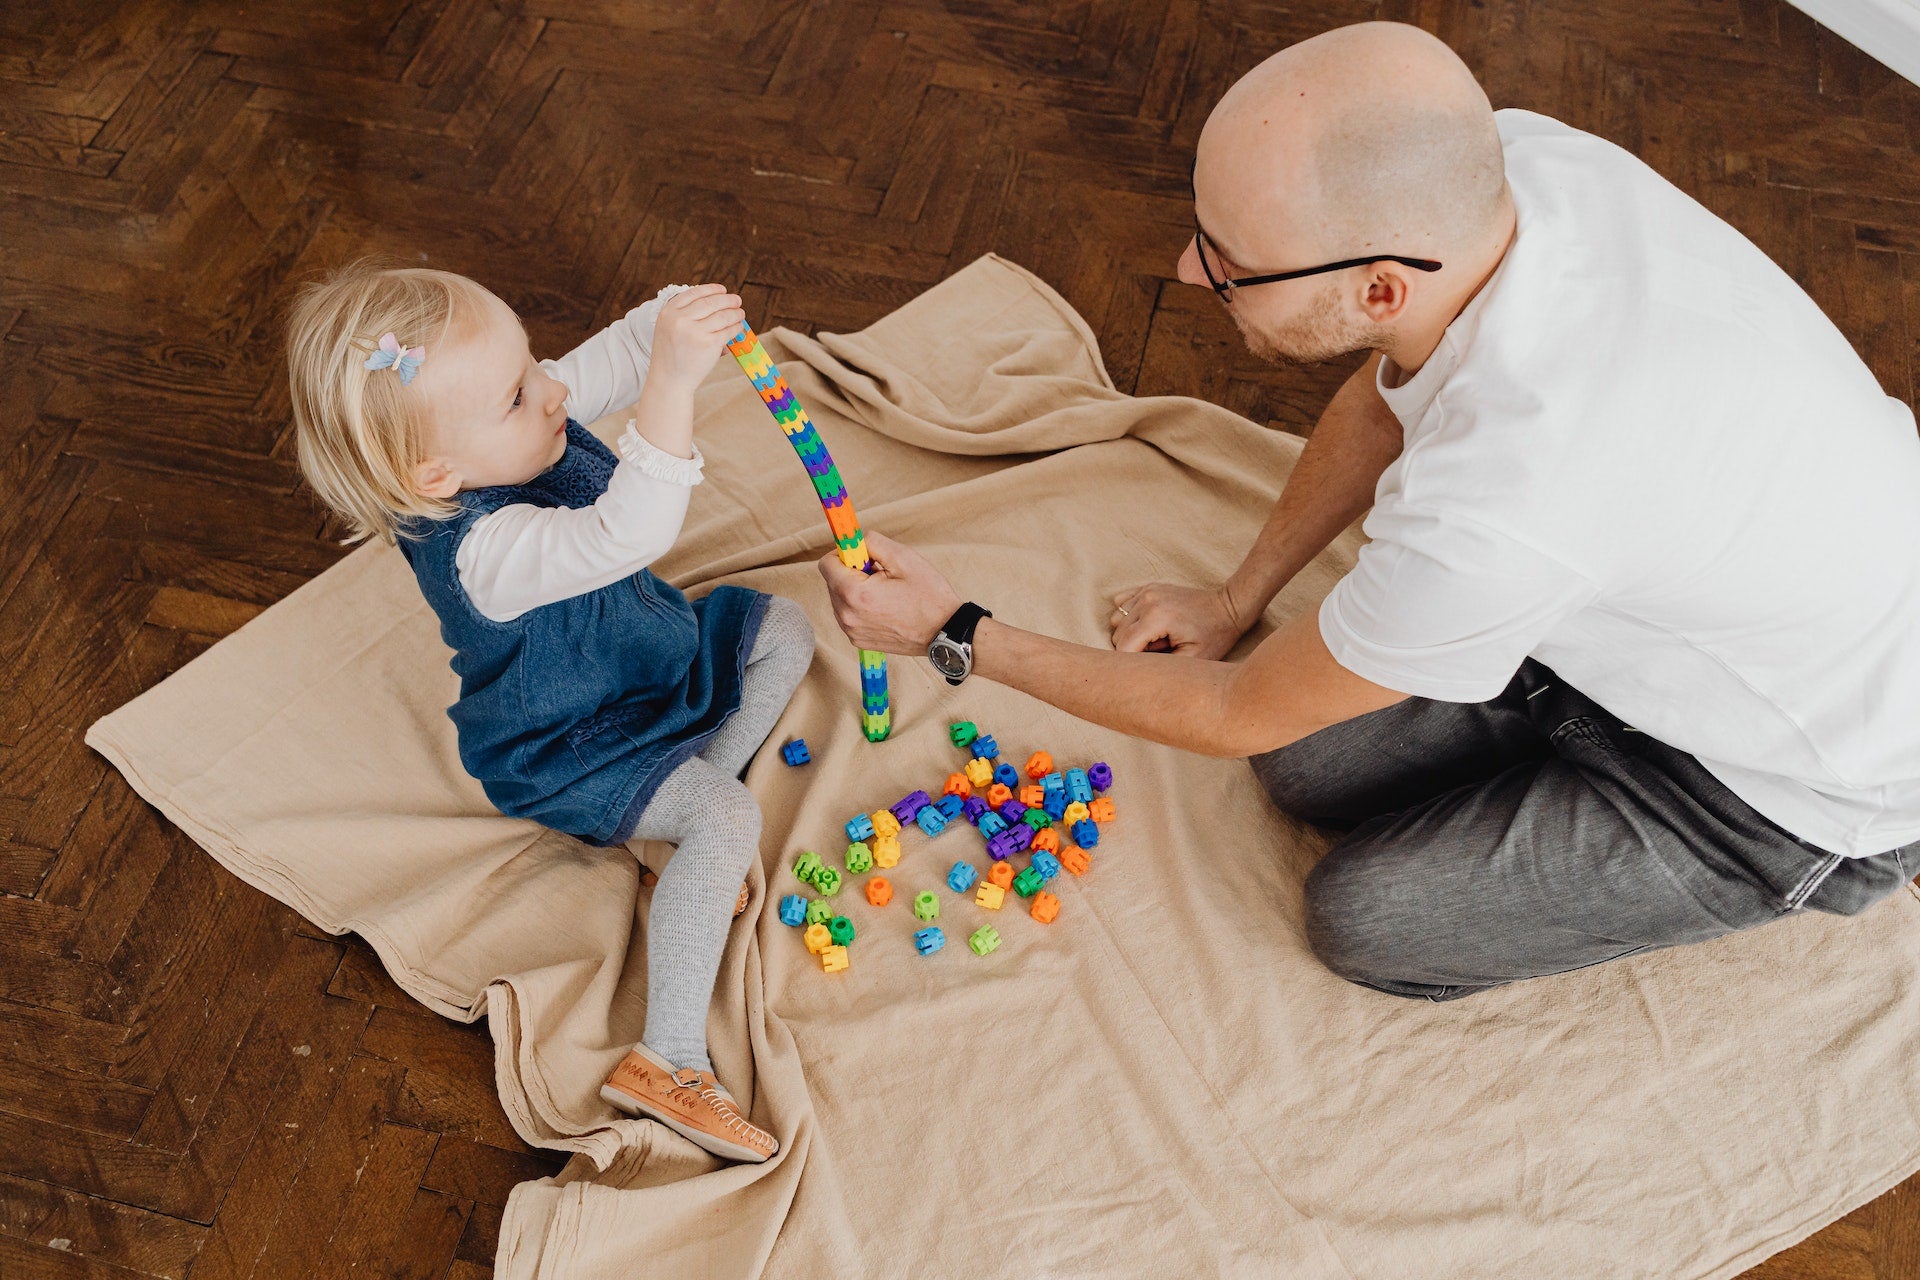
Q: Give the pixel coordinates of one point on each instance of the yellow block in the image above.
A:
(833, 959)
(991, 896)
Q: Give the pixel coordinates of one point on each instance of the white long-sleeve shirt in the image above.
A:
(522, 556)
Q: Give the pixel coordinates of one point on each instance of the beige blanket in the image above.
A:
(1163, 1082)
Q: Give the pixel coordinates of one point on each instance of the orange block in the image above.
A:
(1075, 859)
(842, 520)
(1033, 795)
(1001, 873)
(1046, 840)
(998, 795)
(879, 891)
(1039, 765)
(1046, 907)
(957, 785)
(1101, 810)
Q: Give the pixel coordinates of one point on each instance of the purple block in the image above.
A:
(819, 466)
(1007, 843)
(1012, 811)
(1100, 776)
(1023, 837)
(972, 810)
(910, 806)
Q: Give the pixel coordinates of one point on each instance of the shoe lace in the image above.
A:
(721, 1104)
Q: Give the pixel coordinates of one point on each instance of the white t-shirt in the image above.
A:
(1644, 457)
(519, 557)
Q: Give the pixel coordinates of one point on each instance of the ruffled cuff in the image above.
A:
(657, 462)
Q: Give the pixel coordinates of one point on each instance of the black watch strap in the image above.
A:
(959, 628)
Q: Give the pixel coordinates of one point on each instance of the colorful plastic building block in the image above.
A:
(1076, 812)
(884, 823)
(1055, 781)
(1078, 788)
(819, 911)
(991, 824)
(859, 828)
(997, 795)
(979, 773)
(957, 785)
(990, 897)
(1044, 865)
(1013, 811)
(962, 733)
(1055, 805)
(1047, 840)
(908, 806)
(817, 938)
(795, 752)
(1027, 883)
(1007, 776)
(886, 851)
(973, 810)
(1006, 844)
(986, 938)
(931, 820)
(1037, 819)
(859, 858)
(1039, 765)
(1099, 776)
(1101, 810)
(986, 748)
(828, 881)
(1046, 908)
(961, 876)
(833, 959)
(1075, 860)
(1033, 795)
(879, 891)
(951, 807)
(928, 941)
(1001, 873)
(793, 910)
(1085, 834)
(925, 906)
(876, 719)
(841, 929)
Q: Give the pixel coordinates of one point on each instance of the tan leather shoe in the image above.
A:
(689, 1102)
(740, 903)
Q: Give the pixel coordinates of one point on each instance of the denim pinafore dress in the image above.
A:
(573, 713)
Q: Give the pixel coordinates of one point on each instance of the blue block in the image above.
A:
(1045, 864)
(974, 810)
(818, 466)
(1055, 805)
(1085, 833)
(1079, 790)
(991, 824)
(985, 747)
(793, 910)
(951, 807)
(928, 941)
(859, 828)
(1006, 775)
(1055, 781)
(930, 820)
(795, 752)
(960, 878)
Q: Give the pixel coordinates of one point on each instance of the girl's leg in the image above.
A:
(781, 654)
(715, 822)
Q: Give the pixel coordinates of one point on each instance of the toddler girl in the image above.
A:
(593, 697)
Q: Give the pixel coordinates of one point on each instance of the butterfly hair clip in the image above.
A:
(404, 361)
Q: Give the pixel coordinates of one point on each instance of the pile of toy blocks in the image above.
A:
(1013, 823)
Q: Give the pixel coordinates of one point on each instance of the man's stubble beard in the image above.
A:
(1318, 334)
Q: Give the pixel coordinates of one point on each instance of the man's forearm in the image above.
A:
(1332, 484)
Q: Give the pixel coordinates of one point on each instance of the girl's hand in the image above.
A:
(693, 329)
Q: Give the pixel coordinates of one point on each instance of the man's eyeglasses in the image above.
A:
(1225, 287)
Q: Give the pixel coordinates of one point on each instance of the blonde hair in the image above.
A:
(359, 432)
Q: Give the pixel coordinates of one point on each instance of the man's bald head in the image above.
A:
(1370, 139)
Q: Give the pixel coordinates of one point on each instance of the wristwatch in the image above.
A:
(951, 651)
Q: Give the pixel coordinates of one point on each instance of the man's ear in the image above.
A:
(1386, 295)
(433, 478)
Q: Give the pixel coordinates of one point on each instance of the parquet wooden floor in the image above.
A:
(192, 1079)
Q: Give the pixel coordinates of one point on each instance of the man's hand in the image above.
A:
(1163, 618)
(898, 608)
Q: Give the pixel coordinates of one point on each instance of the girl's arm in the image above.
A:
(606, 371)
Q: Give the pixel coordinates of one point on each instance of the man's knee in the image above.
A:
(1303, 783)
(1343, 920)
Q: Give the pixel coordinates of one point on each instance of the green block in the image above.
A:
(925, 906)
(1037, 819)
(818, 912)
(827, 881)
(859, 858)
(829, 483)
(808, 866)
(840, 929)
(877, 727)
(1028, 883)
(986, 938)
(963, 732)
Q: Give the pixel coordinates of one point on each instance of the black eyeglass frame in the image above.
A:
(1225, 288)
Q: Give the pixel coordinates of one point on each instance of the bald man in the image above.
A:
(1632, 658)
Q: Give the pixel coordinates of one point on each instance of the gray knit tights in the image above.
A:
(706, 811)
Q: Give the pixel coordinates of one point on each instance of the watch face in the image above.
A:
(948, 658)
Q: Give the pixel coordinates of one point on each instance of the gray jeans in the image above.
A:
(1534, 834)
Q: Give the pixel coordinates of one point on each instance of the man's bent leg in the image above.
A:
(1618, 844)
(1399, 756)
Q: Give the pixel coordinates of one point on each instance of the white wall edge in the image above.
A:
(1888, 30)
